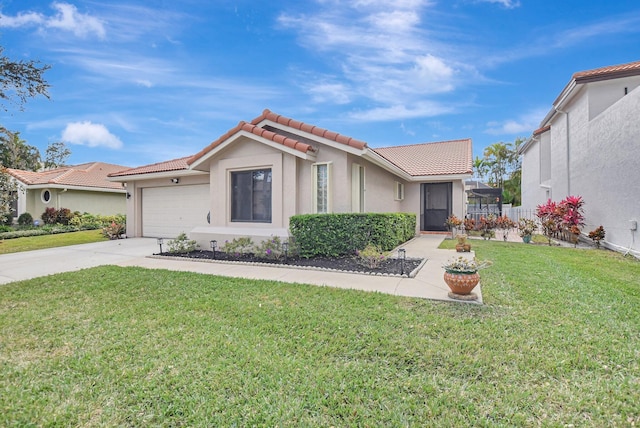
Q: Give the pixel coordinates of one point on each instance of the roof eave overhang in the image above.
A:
(200, 164)
(154, 175)
(383, 163)
(441, 177)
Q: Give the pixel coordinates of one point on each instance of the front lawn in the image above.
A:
(40, 242)
(557, 343)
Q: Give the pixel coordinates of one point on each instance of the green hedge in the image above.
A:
(335, 235)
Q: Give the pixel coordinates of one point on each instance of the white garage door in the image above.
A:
(169, 211)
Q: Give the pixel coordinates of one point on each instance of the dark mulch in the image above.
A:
(350, 264)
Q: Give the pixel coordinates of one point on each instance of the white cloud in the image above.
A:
(509, 4)
(524, 124)
(398, 112)
(91, 135)
(67, 18)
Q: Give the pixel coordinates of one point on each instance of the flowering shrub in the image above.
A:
(597, 235)
(238, 246)
(371, 256)
(452, 222)
(486, 226)
(182, 244)
(504, 223)
(113, 231)
(562, 220)
(270, 248)
(526, 227)
(469, 224)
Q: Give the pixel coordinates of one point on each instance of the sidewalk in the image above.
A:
(428, 283)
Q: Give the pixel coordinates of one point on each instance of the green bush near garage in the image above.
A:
(334, 235)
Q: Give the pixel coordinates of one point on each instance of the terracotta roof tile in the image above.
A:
(256, 130)
(609, 72)
(311, 129)
(542, 130)
(93, 174)
(171, 165)
(439, 158)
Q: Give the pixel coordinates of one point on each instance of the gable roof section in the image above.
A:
(167, 166)
(261, 128)
(430, 159)
(92, 175)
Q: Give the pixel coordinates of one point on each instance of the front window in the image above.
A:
(251, 196)
(45, 196)
(321, 188)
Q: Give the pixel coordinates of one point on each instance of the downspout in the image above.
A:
(58, 205)
(566, 114)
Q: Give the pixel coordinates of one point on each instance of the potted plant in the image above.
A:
(462, 245)
(452, 223)
(526, 227)
(461, 274)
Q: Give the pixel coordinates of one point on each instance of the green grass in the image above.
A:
(556, 343)
(49, 241)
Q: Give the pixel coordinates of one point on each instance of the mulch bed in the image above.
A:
(344, 264)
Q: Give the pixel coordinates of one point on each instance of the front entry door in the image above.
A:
(435, 200)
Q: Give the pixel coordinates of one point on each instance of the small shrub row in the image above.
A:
(44, 230)
(334, 235)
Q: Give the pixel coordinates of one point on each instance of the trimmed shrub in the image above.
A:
(25, 219)
(336, 235)
(49, 216)
(64, 216)
(4, 228)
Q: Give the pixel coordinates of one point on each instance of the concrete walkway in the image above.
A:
(428, 283)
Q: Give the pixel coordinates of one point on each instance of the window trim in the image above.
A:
(398, 193)
(42, 198)
(314, 187)
(231, 194)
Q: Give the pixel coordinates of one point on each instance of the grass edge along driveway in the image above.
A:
(40, 242)
(557, 343)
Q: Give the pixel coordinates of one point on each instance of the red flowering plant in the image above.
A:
(505, 224)
(486, 225)
(469, 224)
(562, 220)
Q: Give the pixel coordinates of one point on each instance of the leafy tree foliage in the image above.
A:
(20, 80)
(8, 195)
(501, 165)
(56, 155)
(16, 153)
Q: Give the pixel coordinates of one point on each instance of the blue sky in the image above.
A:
(140, 82)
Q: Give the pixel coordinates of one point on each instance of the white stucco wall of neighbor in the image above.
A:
(608, 175)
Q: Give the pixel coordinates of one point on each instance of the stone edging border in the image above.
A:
(411, 274)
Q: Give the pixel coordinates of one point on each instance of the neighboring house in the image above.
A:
(253, 178)
(82, 188)
(587, 145)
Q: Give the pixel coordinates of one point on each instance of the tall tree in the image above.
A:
(504, 168)
(20, 80)
(56, 155)
(16, 153)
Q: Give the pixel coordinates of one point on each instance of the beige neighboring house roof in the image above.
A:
(439, 158)
(419, 160)
(92, 175)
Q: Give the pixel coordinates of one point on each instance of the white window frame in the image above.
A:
(357, 188)
(398, 191)
(46, 201)
(314, 185)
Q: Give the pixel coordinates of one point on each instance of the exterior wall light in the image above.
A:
(214, 246)
(402, 255)
(175, 180)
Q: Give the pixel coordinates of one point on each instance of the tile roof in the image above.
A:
(439, 158)
(278, 136)
(92, 174)
(170, 165)
(542, 130)
(610, 72)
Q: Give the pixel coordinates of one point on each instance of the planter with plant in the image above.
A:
(463, 245)
(461, 275)
(452, 223)
(526, 227)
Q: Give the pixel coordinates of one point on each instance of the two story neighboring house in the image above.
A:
(253, 178)
(588, 145)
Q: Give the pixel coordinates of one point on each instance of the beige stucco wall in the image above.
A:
(103, 203)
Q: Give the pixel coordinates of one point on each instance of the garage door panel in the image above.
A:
(169, 211)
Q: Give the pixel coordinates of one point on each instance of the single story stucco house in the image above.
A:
(253, 178)
(82, 188)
